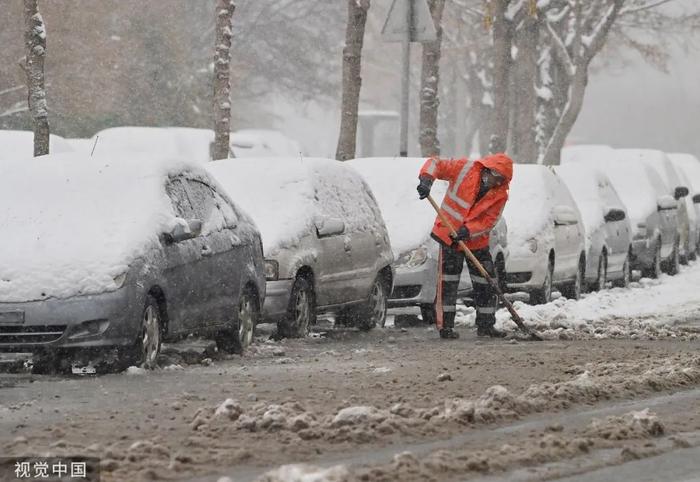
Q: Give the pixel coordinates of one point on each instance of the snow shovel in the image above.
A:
(470, 256)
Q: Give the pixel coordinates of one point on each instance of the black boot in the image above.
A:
(489, 330)
(448, 334)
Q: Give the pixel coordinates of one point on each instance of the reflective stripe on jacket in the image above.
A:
(460, 205)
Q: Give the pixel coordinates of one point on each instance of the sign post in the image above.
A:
(408, 21)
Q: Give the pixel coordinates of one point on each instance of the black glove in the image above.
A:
(462, 234)
(424, 187)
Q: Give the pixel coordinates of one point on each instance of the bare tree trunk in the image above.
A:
(430, 81)
(502, 43)
(572, 109)
(352, 78)
(222, 79)
(525, 93)
(35, 43)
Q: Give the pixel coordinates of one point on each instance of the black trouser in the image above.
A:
(450, 269)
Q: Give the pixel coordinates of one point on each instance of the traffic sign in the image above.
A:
(409, 18)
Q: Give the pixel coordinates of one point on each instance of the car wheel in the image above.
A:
(602, 272)
(674, 263)
(654, 271)
(150, 337)
(573, 290)
(626, 279)
(427, 312)
(375, 311)
(301, 313)
(239, 339)
(544, 295)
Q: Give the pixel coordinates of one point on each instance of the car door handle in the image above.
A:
(206, 251)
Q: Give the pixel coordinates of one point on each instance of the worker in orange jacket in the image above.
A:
(474, 201)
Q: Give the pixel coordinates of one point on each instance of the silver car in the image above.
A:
(546, 235)
(409, 221)
(607, 228)
(668, 175)
(690, 166)
(326, 246)
(118, 254)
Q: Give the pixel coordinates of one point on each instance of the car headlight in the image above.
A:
(272, 269)
(532, 244)
(120, 280)
(414, 258)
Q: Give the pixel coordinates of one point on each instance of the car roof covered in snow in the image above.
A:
(284, 194)
(20, 144)
(691, 166)
(657, 160)
(75, 222)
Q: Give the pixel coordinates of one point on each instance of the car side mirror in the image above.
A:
(666, 202)
(564, 215)
(696, 199)
(327, 226)
(183, 230)
(614, 214)
(680, 192)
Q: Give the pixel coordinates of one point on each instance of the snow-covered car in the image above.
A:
(607, 228)
(20, 144)
(661, 164)
(157, 142)
(690, 166)
(545, 235)
(116, 254)
(326, 246)
(264, 143)
(409, 221)
(651, 210)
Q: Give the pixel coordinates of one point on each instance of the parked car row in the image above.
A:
(119, 252)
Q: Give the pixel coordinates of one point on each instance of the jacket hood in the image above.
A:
(499, 162)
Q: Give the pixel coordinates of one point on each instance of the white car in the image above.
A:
(608, 230)
(651, 210)
(688, 168)
(545, 235)
(661, 164)
(409, 221)
(20, 144)
(325, 243)
(159, 142)
(264, 143)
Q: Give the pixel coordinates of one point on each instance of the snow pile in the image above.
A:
(75, 223)
(632, 425)
(647, 309)
(20, 144)
(285, 195)
(528, 210)
(393, 182)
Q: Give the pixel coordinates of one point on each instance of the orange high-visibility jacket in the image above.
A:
(459, 203)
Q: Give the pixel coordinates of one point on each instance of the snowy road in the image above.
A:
(399, 404)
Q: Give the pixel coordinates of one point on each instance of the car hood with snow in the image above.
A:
(72, 224)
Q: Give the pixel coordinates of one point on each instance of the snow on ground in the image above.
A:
(649, 308)
(20, 144)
